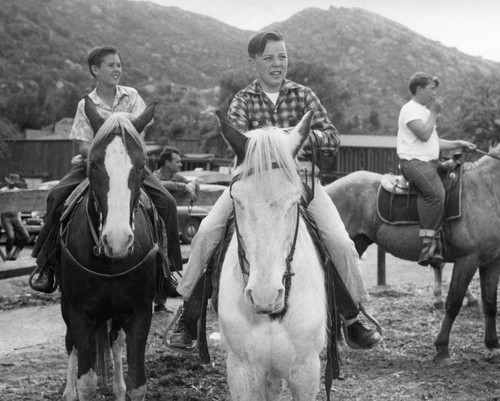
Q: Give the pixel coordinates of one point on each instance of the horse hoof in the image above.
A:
(439, 305)
(493, 355)
(441, 357)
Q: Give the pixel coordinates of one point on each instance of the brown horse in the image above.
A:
(108, 272)
(471, 242)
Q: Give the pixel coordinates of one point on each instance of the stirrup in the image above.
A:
(186, 351)
(371, 319)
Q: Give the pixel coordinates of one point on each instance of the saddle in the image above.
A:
(397, 198)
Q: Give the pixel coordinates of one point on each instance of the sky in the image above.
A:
(471, 26)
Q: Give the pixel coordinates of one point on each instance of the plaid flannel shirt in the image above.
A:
(251, 109)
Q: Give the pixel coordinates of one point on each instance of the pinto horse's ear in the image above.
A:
(236, 139)
(96, 120)
(301, 132)
(140, 122)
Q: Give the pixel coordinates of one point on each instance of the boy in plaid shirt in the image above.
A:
(272, 100)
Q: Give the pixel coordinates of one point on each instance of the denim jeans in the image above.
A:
(430, 203)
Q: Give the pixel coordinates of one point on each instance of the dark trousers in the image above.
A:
(14, 230)
(430, 203)
(162, 199)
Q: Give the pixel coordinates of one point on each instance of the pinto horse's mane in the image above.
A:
(122, 123)
(265, 149)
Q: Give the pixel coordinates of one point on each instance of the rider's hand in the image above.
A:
(468, 146)
(436, 105)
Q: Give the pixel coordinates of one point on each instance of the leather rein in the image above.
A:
(243, 261)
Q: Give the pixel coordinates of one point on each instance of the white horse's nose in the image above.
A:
(265, 302)
(117, 241)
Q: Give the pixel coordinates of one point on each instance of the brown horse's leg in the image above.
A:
(489, 287)
(463, 271)
(136, 336)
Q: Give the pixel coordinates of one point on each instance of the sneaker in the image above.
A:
(45, 281)
(360, 336)
(182, 336)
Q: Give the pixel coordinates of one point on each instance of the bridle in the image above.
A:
(243, 261)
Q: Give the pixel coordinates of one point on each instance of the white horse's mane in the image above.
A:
(122, 121)
(265, 147)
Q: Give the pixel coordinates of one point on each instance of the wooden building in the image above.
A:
(375, 153)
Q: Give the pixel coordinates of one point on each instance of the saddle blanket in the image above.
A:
(399, 209)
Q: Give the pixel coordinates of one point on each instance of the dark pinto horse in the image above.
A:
(471, 242)
(109, 261)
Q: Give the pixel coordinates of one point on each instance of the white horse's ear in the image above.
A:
(95, 119)
(140, 122)
(301, 132)
(233, 136)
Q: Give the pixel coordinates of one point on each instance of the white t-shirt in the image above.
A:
(409, 146)
(273, 96)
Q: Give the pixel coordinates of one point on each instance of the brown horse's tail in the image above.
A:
(103, 354)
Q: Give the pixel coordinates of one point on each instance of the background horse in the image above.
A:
(108, 264)
(273, 325)
(470, 242)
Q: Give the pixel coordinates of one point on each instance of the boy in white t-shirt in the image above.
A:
(418, 147)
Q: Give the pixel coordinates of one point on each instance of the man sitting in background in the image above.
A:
(168, 173)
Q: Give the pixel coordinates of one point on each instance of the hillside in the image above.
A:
(44, 43)
(375, 56)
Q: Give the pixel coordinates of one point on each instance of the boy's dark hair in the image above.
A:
(421, 79)
(166, 154)
(97, 55)
(258, 43)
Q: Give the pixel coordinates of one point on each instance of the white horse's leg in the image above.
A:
(246, 382)
(119, 388)
(471, 299)
(438, 287)
(71, 374)
(87, 385)
(304, 379)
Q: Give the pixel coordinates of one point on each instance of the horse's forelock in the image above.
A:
(122, 122)
(265, 147)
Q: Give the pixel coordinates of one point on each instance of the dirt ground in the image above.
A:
(400, 369)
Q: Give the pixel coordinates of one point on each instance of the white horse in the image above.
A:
(272, 309)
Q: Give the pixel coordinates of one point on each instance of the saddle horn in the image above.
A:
(236, 139)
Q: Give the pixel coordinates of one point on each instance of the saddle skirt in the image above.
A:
(397, 199)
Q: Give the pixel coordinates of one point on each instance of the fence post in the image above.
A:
(380, 266)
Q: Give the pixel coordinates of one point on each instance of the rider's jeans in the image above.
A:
(424, 176)
(336, 240)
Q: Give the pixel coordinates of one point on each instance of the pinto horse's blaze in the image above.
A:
(117, 235)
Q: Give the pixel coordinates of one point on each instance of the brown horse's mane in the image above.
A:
(121, 122)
